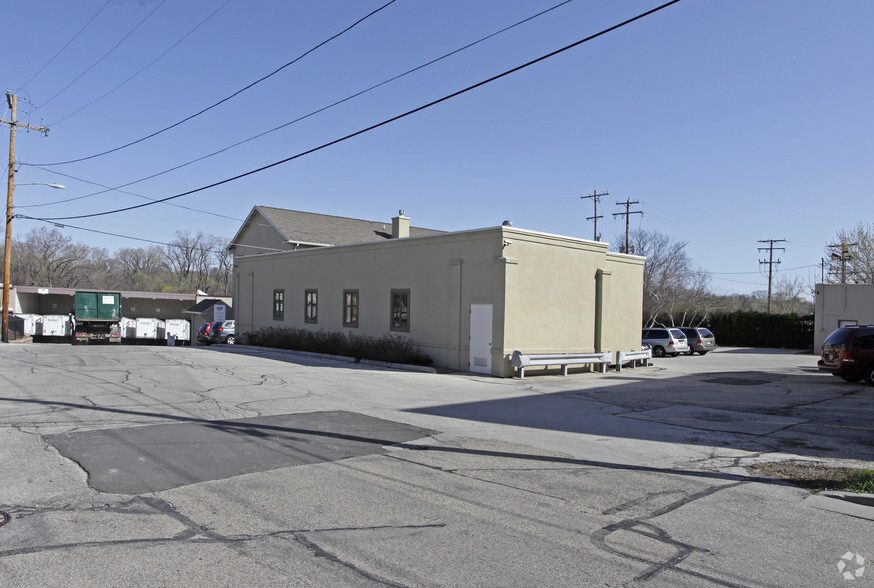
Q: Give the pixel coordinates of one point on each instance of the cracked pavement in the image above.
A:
(591, 479)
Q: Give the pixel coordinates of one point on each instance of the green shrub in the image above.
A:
(743, 328)
(389, 348)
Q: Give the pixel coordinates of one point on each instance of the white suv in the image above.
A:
(665, 341)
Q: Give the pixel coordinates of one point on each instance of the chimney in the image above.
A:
(400, 226)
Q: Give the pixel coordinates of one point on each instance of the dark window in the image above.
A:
(400, 310)
(311, 307)
(278, 305)
(350, 308)
(839, 337)
(864, 340)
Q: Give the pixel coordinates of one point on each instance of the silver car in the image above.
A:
(665, 341)
(700, 339)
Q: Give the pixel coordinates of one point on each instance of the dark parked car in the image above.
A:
(700, 339)
(849, 353)
(223, 332)
(203, 333)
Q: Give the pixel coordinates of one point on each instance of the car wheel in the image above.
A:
(690, 352)
(852, 379)
(702, 352)
(230, 340)
(869, 375)
(674, 354)
(658, 351)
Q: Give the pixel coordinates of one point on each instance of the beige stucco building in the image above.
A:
(840, 305)
(467, 298)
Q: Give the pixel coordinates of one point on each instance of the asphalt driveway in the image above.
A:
(219, 466)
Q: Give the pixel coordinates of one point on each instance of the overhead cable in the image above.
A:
(223, 100)
(107, 54)
(313, 113)
(380, 124)
(147, 66)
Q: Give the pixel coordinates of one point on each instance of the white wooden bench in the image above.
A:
(521, 360)
(635, 357)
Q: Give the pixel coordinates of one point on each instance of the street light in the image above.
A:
(7, 253)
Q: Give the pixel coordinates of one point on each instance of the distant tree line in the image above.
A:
(46, 257)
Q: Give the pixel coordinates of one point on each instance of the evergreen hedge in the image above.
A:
(757, 329)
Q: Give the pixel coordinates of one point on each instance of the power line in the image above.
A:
(385, 122)
(116, 189)
(770, 262)
(148, 65)
(314, 112)
(223, 100)
(107, 54)
(61, 50)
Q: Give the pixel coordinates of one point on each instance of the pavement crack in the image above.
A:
(643, 526)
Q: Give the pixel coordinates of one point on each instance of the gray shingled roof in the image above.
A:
(309, 227)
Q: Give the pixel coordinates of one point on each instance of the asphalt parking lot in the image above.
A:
(228, 465)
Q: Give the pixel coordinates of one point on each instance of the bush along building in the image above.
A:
(468, 299)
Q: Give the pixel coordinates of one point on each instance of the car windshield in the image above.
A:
(838, 337)
(705, 333)
(678, 333)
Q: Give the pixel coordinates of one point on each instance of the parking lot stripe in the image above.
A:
(817, 406)
(782, 423)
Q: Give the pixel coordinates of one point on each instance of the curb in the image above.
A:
(854, 504)
(341, 358)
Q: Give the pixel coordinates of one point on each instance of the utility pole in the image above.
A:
(771, 263)
(627, 214)
(844, 257)
(596, 198)
(13, 123)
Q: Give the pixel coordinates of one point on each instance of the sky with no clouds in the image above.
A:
(728, 122)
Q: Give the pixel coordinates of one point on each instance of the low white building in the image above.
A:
(839, 305)
(467, 298)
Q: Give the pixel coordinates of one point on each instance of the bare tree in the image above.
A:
(851, 256)
(46, 257)
(670, 283)
(140, 269)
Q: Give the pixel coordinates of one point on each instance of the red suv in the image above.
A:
(849, 353)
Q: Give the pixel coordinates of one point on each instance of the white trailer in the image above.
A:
(56, 325)
(32, 324)
(128, 327)
(179, 329)
(150, 328)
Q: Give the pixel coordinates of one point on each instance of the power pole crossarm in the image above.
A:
(596, 198)
(13, 123)
(770, 262)
(627, 214)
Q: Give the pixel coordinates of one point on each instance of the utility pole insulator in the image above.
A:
(627, 214)
(596, 198)
(770, 262)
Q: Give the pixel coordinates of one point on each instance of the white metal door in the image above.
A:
(481, 338)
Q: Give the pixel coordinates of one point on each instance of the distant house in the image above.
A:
(839, 305)
(467, 298)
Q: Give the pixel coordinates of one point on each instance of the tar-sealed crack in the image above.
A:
(643, 526)
(192, 532)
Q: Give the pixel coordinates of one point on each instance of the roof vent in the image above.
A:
(507, 223)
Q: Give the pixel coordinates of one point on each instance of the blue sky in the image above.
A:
(730, 122)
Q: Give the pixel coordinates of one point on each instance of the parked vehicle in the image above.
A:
(849, 353)
(223, 332)
(203, 333)
(699, 339)
(665, 342)
(97, 317)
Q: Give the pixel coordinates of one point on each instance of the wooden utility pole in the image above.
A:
(771, 263)
(627, 214)
(13, 123)
(596, 198)
(844, 257)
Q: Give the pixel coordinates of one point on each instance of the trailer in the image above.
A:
(97, 317)
(177, 330)
(55, 325)
(150, 328)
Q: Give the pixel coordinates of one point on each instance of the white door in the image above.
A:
(481, 338)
